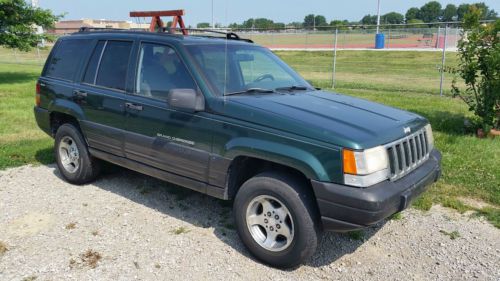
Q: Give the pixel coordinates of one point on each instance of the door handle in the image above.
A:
(133, 106)
(80, 94)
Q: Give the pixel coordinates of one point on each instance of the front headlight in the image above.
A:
(366, 167)
(430, 136)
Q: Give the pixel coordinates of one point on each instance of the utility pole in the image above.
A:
(314, 22)
(378, 16)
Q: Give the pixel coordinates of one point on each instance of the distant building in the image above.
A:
(71, 26)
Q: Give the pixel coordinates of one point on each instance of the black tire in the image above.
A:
(88, 166)
(298, 198)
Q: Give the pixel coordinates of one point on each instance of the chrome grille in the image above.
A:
(406, 154)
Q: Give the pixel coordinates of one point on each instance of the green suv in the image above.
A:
(228, 118)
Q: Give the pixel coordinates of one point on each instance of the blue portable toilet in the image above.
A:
(379, 41)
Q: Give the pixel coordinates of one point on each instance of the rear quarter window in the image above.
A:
(66, 59)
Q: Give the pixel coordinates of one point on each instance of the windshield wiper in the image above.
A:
(251, 90)
(292, 88)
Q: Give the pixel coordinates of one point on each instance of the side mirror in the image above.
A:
(186, 100)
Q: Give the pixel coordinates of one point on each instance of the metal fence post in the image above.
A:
(443, 61)
(334, 57)
(438, 34)
(389, 39)
(307, 39)
(38, 55)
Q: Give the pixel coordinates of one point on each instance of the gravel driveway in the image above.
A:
(127, 226)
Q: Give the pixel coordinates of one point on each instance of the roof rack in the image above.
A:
(227, 35)
(167, 30)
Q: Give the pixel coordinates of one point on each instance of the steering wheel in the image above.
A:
(263, 77)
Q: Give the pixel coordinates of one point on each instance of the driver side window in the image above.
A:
(160, 70)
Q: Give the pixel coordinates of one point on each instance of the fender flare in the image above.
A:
(279, 153)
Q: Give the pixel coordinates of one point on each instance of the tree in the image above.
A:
(295, 24)
(309, 21)
(320, 20)
(416, 22)
(203, 25)
(430, 12)
(312, 21)
(450, 13)
(393, 18)
(339, 24)
(462, 10)
(412, 14)
(18, 22)
(279, 25)
(486, 12)
(369, 20)
(479, 67)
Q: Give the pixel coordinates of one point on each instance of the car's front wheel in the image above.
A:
(277, 219)
(75, 163)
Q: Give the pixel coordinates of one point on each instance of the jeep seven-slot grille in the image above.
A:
(406, 154)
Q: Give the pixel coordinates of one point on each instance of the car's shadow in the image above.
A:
(204, 211)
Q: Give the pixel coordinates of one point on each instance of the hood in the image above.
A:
(328, 117)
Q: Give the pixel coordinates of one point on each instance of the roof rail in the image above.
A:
(228, 35)
(88, 29)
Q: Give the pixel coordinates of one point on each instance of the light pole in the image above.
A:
(378, 16)
(213, 25)
(39, 29)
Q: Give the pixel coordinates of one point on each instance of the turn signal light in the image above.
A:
(37, 95)
(349, 162)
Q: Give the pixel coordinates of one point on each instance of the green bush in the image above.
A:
(479, 67)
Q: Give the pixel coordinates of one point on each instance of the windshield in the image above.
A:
(247, 68)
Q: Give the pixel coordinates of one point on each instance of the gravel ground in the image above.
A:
(127, 226)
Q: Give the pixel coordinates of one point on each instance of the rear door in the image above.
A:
(159, 135)
(101, 95)
(61, 69)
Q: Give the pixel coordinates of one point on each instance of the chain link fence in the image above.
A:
(395, 38)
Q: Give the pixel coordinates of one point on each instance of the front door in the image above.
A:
(158, 135)
(101, 95)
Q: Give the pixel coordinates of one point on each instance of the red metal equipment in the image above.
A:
(157, 23)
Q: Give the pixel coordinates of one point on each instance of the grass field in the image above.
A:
(407, 80)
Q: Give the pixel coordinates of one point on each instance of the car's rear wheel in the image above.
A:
(277, 219)
(75, 163)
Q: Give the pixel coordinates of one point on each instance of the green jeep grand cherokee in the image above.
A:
(228, 118)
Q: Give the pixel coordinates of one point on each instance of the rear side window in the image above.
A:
(90, 73)
(112, 69)
(66, 59)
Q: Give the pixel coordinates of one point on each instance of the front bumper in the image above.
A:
(344, 208)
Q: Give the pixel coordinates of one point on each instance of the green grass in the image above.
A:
(21, 141)
(180, 230)
(453, 235)
(407, 80)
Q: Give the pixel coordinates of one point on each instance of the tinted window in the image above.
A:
(66, 59)
(160, 70)
(113, 66)
(93, 63)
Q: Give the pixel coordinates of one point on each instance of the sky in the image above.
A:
(229, 11)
